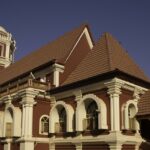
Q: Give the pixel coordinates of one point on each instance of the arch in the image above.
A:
(44, 124)
(129, 111)
(12, 120)
(81, 112)
(54, 116)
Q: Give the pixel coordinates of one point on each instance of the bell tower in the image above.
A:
(7, 48)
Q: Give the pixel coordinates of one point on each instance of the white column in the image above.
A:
(7, 146)
(114, 91)
(27, 146)
(27, 102)
(115, 146)
(51, 146)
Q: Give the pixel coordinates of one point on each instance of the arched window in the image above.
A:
(91, 120)
(129, 121)
(9, 123)
(61, 125)
(91, 113)
(61, 118)
(12, 121)
(44, 124)
(131, 116)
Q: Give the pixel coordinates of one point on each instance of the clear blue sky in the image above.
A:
(34, 23)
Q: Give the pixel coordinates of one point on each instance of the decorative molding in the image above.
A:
(78, 95)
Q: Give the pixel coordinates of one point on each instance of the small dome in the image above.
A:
(2, 29)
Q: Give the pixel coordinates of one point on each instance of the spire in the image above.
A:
(7, 48)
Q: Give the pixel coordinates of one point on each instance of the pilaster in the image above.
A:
(7, 146)
(115, 146)
(114, 91)
(27, 102)
(51, 146)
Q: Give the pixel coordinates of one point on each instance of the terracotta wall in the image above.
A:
(95, 146)
(128, 147)
(42, 146)
(41, 108)
(65, 147)
(15, 146)
(1, 146)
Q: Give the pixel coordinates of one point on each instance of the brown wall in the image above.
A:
(128, 147)
(1, 146)
(95, 146)
(70, 100)
(65, 147)
(15, 146)
(41, 108)
(42, 146)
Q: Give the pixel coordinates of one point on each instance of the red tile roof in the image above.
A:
(107, 55)
(144, 104)
(59, 49)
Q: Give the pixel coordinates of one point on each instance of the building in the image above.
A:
(71, 94)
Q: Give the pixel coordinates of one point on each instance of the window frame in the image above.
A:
(41, 125)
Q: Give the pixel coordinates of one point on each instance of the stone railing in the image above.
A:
(12, 88)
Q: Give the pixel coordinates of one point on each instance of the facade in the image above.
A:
(71, 94)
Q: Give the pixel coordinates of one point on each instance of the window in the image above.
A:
(91, 120)
(131, 116)
(2, 50)
(129, 121)
(44, 124)
(9, 129)
(61, 125)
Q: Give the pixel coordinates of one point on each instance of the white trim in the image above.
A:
(86, 32)
(54, 116)
(42, 133)
(81, 112)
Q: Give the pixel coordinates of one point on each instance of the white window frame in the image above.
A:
(40, 125)
(81, 112)
(125, 115)
(2, 51)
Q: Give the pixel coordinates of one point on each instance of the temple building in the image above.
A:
(73, 94)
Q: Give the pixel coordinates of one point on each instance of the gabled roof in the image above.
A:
(59, 49)
(107, 55)
(144, 105)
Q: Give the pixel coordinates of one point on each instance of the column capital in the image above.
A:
(78, 95)
(7, 99)
(52, 100)
(28, 96)
(114, 86)
(137, 93)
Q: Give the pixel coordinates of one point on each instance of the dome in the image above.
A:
(2, 29)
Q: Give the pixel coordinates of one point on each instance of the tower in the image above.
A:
(7, 48)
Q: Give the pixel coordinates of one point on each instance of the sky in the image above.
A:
(34, 23)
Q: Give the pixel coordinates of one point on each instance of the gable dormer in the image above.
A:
(7, 48)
